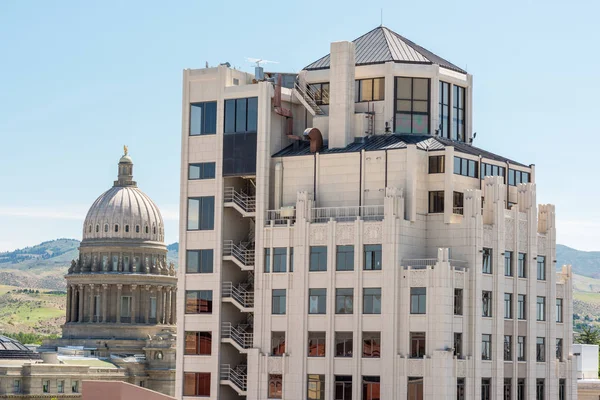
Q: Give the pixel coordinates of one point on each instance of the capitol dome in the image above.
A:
(124, 211)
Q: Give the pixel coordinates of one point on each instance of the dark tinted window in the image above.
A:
(201, 171)
(203, 118)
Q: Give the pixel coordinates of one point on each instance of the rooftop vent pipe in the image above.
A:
(316, 139)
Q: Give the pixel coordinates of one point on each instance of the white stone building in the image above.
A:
(344, 239)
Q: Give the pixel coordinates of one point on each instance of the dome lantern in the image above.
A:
(125, 177)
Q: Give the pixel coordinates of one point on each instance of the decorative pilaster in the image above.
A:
(80, 297)
(133, 303)
(119, 290)
(104, 302)
(91, 306)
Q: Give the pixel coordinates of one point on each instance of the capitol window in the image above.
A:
(137, 229)
(97, 228)
(158, 355)
(146, 228)
(126, 228)
(105, 227)
(116, 228)
(90, 229)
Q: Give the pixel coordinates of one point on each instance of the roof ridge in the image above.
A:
(424, 52)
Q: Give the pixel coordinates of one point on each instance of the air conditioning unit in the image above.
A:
(287, 212)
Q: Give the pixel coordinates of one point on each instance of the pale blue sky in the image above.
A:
(79, 79)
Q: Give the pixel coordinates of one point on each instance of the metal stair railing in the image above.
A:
(242, 200)
(238, 375)
(238, 334)
(241, 296)
(309, 95)
(239, 252)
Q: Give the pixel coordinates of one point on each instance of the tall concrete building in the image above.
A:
(345, 239)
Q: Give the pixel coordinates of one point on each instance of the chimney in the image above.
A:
(341, 94)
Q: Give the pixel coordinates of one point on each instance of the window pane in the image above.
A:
(210, 117)
(230, 116)
(421, 89)
(240, 115)
(252, 114)
(195, 119)
(194, 172)
(193, 214)
(378, 89)
(366, 90)
(404, 88)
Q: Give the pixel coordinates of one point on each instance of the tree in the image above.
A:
(589, 335)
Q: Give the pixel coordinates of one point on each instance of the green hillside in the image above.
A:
(43, 266)
(586, 263)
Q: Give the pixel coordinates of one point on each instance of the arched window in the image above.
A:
(147, 229)
(105, 227)
(137, 229)
(90, 229)
(116, 228)
(158, 355)
(127, 228)
(154, 230)
(97, 228)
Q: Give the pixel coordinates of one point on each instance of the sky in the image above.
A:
(78, 80)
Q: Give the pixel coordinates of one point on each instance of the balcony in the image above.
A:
(457, 210)
(321, 215)
(423, 263)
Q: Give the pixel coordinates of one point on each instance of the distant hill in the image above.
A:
(586, 263)
(43, 266)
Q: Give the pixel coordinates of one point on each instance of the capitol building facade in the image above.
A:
(120, 311)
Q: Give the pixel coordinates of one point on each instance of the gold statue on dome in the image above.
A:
(125, 149)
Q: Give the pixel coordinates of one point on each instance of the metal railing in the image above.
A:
(238, 293)
(242, 200)
(239, 252)
(308, 95)
(281, 216)
(237, 375)
(238, 334)
(423, 263)
(457, 210)
(347, 214)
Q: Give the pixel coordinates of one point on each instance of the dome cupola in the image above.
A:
(124, 211)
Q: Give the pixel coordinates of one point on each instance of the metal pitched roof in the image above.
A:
(381, 45)
(389, 142)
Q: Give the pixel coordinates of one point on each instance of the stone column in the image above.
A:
(133, 303)
(73, 301)
(174, 306)
(147, 309)
(104, 302)
(119, 288)
(68, 311)
(80, 298)
(159, 305)
(168, 294)
(91, 307)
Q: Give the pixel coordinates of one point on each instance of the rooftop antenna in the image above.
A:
(381, 23)
(259, 73)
